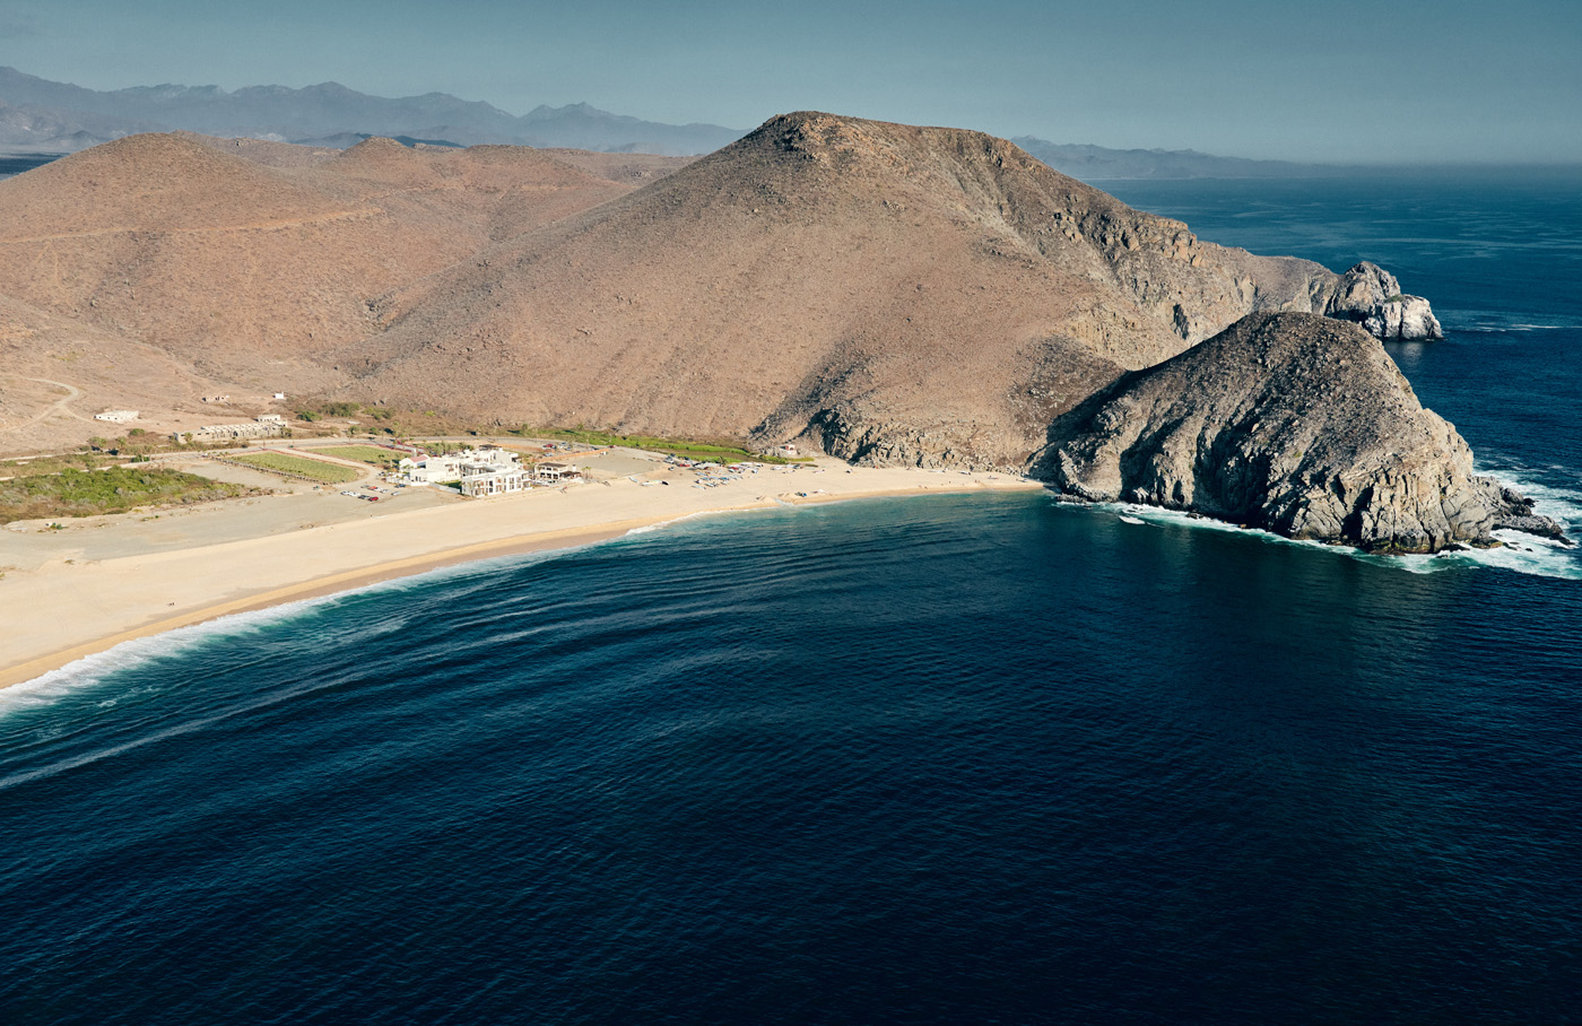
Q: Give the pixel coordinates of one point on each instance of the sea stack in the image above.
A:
(1291, 422)
(1369, 295)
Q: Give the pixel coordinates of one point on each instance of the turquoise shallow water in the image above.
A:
(947, 759)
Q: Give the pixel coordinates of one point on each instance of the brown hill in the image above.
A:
(885, 292)
(888, 292)
(895, 293)
(245, 265)
(635, 168)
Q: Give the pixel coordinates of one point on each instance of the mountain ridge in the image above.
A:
(875, 250)
(67, 115)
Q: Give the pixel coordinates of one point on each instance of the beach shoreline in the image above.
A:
(64, 609)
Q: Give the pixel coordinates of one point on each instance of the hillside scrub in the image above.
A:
(79, 493)
(651, 443)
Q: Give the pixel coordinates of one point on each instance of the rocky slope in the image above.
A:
(1295, 423)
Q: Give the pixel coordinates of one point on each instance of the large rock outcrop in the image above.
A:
(1295, 423)
(1369, 295)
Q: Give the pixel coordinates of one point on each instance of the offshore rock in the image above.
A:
(1371, 296)
(1518, 515)
(1295, 423)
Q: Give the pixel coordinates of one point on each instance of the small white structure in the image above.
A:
(117, 416)
(217, 398)
(787, 450)
(278, 395)
(554, 473)
(270, 418)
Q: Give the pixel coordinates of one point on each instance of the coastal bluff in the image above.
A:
(1294, 423)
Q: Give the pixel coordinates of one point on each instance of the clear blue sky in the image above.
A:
(1405, 81)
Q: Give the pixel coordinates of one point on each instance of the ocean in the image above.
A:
(949, 759)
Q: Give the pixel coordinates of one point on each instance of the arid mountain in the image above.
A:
(888, 293)
(36, 113)
(247, 259)
(894, 293)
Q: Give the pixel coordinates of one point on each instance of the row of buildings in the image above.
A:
(268, 425)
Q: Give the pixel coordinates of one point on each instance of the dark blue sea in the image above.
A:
(976, 759)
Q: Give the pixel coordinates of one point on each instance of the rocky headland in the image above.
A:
(1298, 424)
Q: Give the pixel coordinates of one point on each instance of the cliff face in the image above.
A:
(1295, 423)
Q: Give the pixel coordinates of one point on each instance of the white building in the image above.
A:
(502, 465)
(554, 473)
(116, 416)
(493, 482)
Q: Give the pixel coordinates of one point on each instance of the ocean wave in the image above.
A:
(1506, 329)
(638, 532)
(83, 674)
(1493, 322)
(1562, 502)
(1519, 552)
(711, 514)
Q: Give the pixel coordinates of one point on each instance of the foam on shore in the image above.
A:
(1518, 551)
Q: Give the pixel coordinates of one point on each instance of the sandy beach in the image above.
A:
(85, 587)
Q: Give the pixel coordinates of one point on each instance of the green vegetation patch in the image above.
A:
(685, 448)
(296, 466)
(365, 454)
(43, 465)
(86, 493)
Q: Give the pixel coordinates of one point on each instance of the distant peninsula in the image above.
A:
(1100, 163)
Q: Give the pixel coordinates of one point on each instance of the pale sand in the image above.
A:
(61, 609)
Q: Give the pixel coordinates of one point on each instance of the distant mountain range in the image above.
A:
(37, 115)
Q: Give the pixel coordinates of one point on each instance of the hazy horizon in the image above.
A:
(1452, 83)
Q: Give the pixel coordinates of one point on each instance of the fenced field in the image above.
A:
(296, 466)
